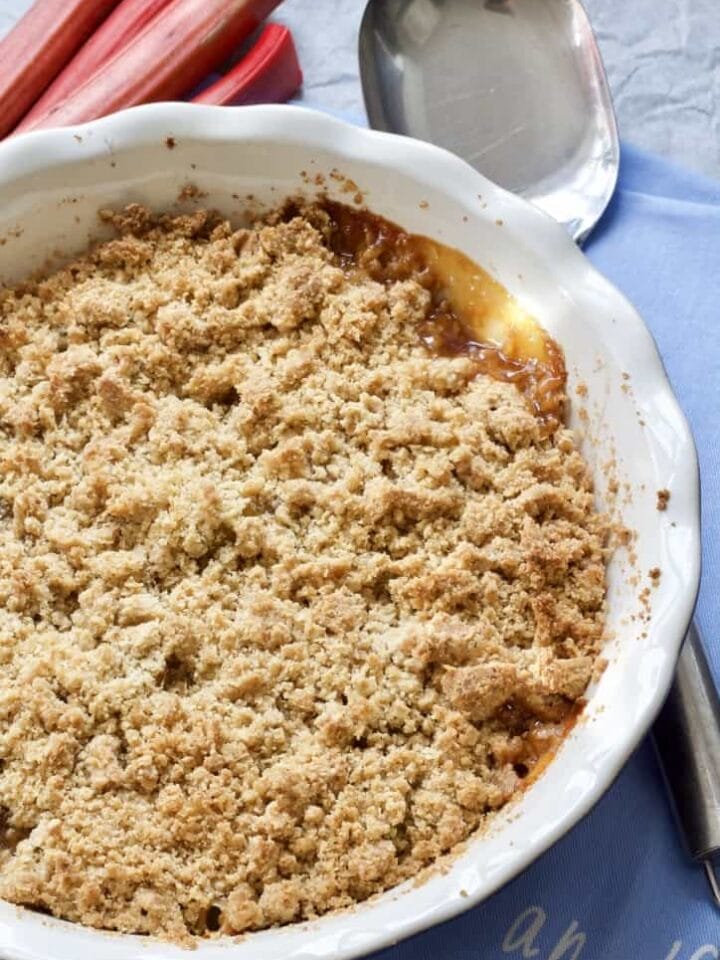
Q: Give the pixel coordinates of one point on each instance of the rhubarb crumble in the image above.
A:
(301, 578)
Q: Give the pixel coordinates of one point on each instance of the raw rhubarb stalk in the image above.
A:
(169, 57)
(38, 47)
(125, 22)
(268, 73)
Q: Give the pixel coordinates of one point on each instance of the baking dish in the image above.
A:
(52, 184)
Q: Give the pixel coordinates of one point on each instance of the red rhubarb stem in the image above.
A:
(268, 73)
(184, 43)
(122, 26)
(38, 47)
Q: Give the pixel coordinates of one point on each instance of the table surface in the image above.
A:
(662, 58)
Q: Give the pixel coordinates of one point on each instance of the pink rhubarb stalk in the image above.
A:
(180, 46)
(125, 22)
(268, 73)
(37, 49)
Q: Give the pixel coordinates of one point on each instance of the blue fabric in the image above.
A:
(619, 886)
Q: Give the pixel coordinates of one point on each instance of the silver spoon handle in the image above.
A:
(687, 738)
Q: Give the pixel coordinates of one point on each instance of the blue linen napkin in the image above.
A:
(620, 886)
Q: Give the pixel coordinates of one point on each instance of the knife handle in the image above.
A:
(687, 739)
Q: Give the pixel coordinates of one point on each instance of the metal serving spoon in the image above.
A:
(518, 89)
(515, 88)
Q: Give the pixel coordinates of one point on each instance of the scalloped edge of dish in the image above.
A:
(402, 912)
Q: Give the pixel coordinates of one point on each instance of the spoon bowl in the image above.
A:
(515, 87)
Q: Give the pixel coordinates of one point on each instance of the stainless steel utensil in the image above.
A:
(518, 89)
(687, 739)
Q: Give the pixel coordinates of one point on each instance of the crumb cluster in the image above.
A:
(288, 604)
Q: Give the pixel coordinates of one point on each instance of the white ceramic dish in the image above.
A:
(51, 185)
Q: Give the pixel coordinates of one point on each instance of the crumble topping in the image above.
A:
(289, 604)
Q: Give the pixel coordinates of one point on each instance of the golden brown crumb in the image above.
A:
(663, 498)
(282, 594)
(599, 667)
(655, 575)
(191, 191)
